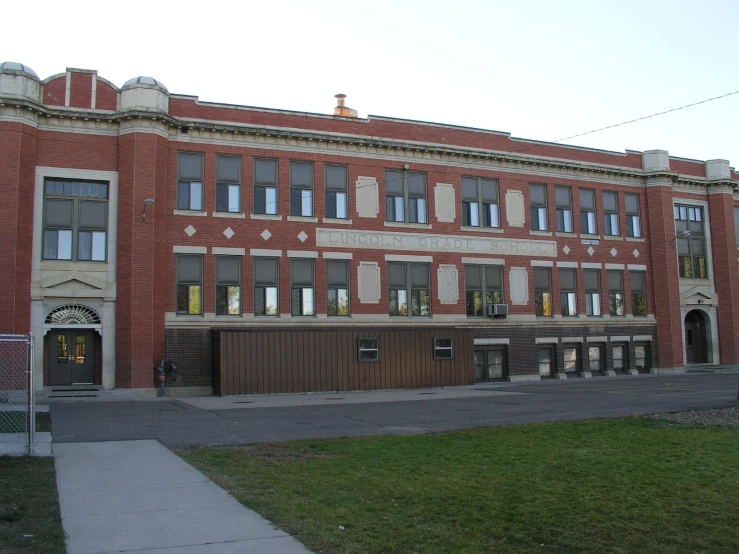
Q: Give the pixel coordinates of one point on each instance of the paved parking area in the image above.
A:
(250, 419)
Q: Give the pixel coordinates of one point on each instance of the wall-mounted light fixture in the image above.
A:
(147, 202)
(680, 235)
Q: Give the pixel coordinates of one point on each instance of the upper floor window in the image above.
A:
(405, 196)
(610, 214)
(190, 181)
(616, 291)
(265, 186)
(337, 284)
(592, 291)
(543, 291)
(75, 221)
(568, 291)
(588, 224)
(538, 205)
(301, 189)
(228, 285)
(480, 202)
(638, 293)
(633, 216)
(563, 200)
(228, 184)
(409, 281)
(691, 241)
(189, 284)
(483, 287)
(337, 205)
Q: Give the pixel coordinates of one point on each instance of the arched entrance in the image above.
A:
(73, 346)
(697, 338)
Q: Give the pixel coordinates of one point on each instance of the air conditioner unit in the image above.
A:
(497, 310)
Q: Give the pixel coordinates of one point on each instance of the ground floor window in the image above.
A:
(595, 358)
(443, 348)
(619, 357)
(368, 350)
(641, 357)
(546, 361)
(570, 359)
(490, 364)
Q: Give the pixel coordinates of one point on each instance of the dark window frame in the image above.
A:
(578, 358)
(638, 295)
(368, 348)
(541, 293)
(590, 302)
(486, 351)
(691, 218)
(588, 217)
(598, 347)
(616, 294)
(563, 212)
(301, 289)
(480, 208)
(624, 359)
(221, 284)
(633, 217)
(611, 216)
(407, 196)
(262, 287)
(333, 290)
(647, 357)
(188, 284)
(299, 189)
(539, 208)
(224, 183)
(409, 291)
(77, 193)
(333, 193)
(439, 347)
(262, 203)
(187, 183)
(551, 350)
(565, 292)
(486, 292)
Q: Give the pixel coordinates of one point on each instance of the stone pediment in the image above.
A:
(698, 295)
(73, 280)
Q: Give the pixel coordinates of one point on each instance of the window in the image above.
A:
(228, 285)
(303, 291)
(75, 221)
(736, 224)
(443, 348)
(538, 205)
(480, 202)
(405, 200)
(265, 186)
(190, 181)
(610, 214)
(483, 287)
(592, 291)
(633, 218)
(543, 291)
(301, 189)
(619, 358)
(189, 284)
(490, 364)
(265, 286)
(568, 291)
(336, 196)
(638, 293)
(691, 246)
(546, 360)
(563, 201)
(368, 350)
(594, 358)
(228, 187)
(570, 359)
(588, 224)
(409, 281)
(337, 281)
(616, 292)
(641, 357)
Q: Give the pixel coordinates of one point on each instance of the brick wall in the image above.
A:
(190, 350)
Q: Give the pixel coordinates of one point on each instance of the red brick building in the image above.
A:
(274, 251)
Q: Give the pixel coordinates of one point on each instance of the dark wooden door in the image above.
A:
(696, 347)
(71, 357)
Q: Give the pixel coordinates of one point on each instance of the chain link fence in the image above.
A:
(17, 418)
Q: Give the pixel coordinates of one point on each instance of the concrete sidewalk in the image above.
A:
(138, 496)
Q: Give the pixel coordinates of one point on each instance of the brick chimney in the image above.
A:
(341, 109)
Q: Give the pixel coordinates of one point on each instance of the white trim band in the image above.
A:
(615, 266)
(637, 267)
(492, 341)
(190, 249)
(591, 265)
(542, 263)
(302, 254)
(572, 265)
(218, 250)
(338, 255)
(265, 252)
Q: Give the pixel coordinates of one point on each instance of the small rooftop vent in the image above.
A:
(341, 109)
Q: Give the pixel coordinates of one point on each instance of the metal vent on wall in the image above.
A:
(72, 315)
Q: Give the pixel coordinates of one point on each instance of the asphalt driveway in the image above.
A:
(245, 420)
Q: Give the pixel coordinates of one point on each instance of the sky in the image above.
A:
(539, 70)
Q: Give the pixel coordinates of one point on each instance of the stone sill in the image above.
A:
(190, 212)
(267, 217)
(229, 215)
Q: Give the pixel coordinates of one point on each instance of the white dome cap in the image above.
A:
(16, 67)
(145, 82)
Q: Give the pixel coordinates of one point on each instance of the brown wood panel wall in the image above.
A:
(258, 361)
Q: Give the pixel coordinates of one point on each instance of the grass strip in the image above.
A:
(611, 485)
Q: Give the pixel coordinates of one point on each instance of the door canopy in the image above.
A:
(72, 315)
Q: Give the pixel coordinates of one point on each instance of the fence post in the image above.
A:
(31, 396)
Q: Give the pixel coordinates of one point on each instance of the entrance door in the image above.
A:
(695, 338)
(71, 357)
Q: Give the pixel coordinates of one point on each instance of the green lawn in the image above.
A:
(29, 507)
(616, 485)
